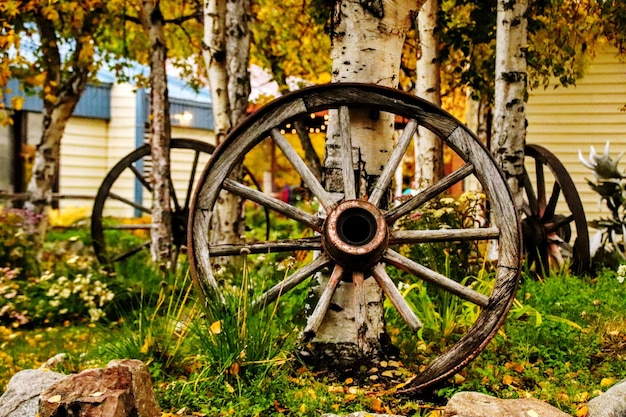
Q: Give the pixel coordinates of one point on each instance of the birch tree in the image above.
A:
(226, 52)
(52, 48)
(367, 39)
(428, 148)
(153, 23)
(509, 120)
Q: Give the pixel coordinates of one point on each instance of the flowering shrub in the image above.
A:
(51, 298)
(70, 286)
(458, 259)
(17, 249)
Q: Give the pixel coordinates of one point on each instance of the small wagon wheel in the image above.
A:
(356, 236)
(546, 231)
(116, 198)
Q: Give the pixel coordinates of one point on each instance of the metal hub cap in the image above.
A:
(355, 234)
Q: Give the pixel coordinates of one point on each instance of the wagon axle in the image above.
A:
(355, 235)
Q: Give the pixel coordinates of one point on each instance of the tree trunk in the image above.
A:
(428, 147)
(226, 55)
(161, 231)
(215, 60)
(509, 119)
(367, 42)
(47, 160)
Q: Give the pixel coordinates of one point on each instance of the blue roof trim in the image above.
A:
(186, 113)
(95, 103)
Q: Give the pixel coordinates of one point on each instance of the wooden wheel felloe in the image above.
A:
(129, 179)
(550, 213)
(356, 235)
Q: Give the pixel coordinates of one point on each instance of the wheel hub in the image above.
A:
(355, 234)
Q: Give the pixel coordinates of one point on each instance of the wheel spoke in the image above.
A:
(315, 319)
(562, 222)
(548, 214)
(130, 203)
(290, 282)
(541, 188)
(139, 175)
(383, 181)
(273, 203)
(131, 251)
(399, 237)
(531, 206)
(412, 267)
(347, 164)
(429, 193)
(192, 177)
(360, 304)
(173, 195)
(274, 246)
(307, 176)
(391, 291)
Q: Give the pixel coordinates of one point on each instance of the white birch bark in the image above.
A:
(509, 119)
(367, 43)
(161, 230)
(226, 56)
(214, 55)
(428, 148)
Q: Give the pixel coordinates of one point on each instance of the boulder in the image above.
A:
(21, 398)
(612, 403)
(122, 389)
(474, 404)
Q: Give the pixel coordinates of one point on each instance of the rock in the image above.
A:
(122, 389)
(21, 398)
(612, 403)
(474, 404)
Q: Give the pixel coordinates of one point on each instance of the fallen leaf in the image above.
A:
(607, 382)
(582, 411)
(377, 405)
(507, 380)
(229, 387)
(54, 399)
(216, 327)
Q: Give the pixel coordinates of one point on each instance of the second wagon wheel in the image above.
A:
(120, 220)
(552, 207)
(356, 237)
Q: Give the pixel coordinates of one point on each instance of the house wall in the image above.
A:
(566, 120)
(91, 148)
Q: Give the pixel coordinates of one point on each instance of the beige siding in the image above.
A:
(83, 160)
(91, 148)
(566, 120)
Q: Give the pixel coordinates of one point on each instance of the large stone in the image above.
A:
(21, 398)
(474, 404)
(122, 389)
(612, 403)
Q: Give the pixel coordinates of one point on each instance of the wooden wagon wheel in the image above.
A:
(115, 198)
(356, 236)
(546, 231)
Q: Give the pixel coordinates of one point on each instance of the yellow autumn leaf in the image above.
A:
(582, 411)
(17, 102)
(303, 408)
(507, 380)
(54, 399)
(607, 382)
(146, 345)
(229, 387)
(216, 327)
